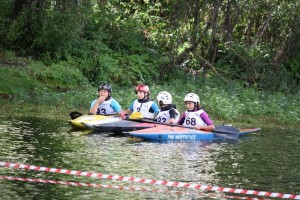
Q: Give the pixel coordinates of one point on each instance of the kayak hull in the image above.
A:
(167, 133)
(121, 126)
(93, 119)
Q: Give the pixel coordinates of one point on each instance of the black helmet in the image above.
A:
(105, 86)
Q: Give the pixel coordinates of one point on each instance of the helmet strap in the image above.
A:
(161, 104)
(146, 96)
(108, 97)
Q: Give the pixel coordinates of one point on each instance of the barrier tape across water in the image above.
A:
(153, 182)
(96, 185)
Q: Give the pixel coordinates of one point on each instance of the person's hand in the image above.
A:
(122, 115)
(198, 127)
(171, 121)
(101, 99)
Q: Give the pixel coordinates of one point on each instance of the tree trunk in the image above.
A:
(19, 5)
(214, 40)
(228, 24)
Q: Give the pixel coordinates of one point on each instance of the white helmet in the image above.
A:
(192, 97)
(165, 97)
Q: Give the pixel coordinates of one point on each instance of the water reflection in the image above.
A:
(261, 162)
(37, 142)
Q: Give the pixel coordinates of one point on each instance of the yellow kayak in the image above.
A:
(77, 122)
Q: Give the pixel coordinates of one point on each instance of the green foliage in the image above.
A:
(291, 73)
(234, 100)
(13, 80)
(228, 102)
(28, 78)
(125, 42)
(251, 65)
(6, 8)
(225, 103)
(62, 74)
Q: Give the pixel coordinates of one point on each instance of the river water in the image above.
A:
(265, 161)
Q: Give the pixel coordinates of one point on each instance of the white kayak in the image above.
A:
(77, 123)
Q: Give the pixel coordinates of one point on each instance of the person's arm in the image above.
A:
(181, 119)
(130, 110)
(210, 126)
(116, 106)
(95, 104)
(154, 109)
(173, 114)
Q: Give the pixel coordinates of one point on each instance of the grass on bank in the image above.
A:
(33, 91)
(59, 104)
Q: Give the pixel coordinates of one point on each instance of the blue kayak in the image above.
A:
(169, 133)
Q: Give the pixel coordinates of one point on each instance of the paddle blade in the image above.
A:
(75, 114)
(227, 132)
(136, 115)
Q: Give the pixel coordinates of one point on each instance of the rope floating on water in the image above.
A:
(153, 182)
(95, 185)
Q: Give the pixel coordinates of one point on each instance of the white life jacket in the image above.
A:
(143, 108)
(105, 108)
(164, 116)
(193, 119)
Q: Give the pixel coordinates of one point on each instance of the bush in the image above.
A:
(58, 75)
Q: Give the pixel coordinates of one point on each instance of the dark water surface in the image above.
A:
(266, 161)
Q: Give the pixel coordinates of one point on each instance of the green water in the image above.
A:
(266, 161)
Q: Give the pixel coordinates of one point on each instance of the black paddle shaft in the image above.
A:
(227, 130)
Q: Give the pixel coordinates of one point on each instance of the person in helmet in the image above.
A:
(143, 104)
(168, 112)
(105, 104)
(195, 116)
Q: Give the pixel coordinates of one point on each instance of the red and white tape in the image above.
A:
(153, 182)
(95, 185)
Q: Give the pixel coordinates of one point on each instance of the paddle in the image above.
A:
(75, 114)
(137, 115)
(227, 132)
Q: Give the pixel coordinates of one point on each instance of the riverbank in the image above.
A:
(59, 105)
(35, 90)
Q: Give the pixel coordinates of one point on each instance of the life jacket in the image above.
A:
(105, 108)
(193, 119)
(164, 115)
(143, 107)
